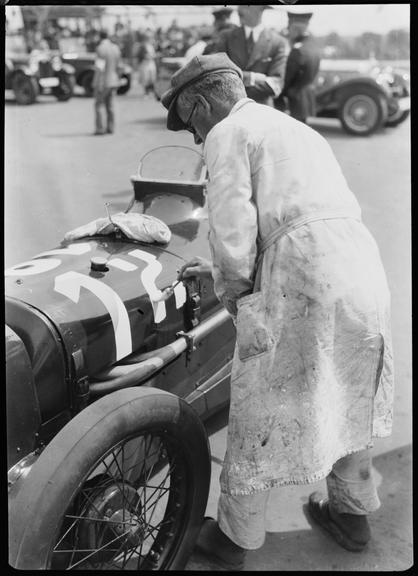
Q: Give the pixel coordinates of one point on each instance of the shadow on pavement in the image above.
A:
(158, 121)
(390, 549)
(217, 421)
(71, 135)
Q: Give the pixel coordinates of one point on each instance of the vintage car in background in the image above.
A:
(74, 52)
(364, 95)
(109, 379)
(40, 72)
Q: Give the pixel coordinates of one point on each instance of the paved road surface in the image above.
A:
(59, 176)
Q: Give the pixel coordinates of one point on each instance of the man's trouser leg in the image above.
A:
(351, 490)
(242, 518)
(351, 487)
(98, 104)
(109, 110)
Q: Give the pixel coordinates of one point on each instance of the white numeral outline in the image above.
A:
(40, 264)
(69, 285)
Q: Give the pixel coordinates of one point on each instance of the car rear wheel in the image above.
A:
(25, 89)
(123, 486)
(362, 111)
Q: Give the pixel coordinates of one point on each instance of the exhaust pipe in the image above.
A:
(147, 364)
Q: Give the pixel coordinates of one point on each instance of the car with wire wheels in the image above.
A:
(41, 72)
(83, 63)
(364, 95)
(112, 368)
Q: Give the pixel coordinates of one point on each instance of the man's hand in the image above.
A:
(197, 266)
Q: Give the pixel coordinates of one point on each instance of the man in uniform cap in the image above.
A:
(221, 23)
(301, 68)
(302, 279)
(259, 51)
(222, 19)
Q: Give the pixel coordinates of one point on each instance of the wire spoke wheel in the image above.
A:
(25, 89)
(123, 486)
(127, 511)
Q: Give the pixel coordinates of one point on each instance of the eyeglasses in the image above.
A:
(187, 124)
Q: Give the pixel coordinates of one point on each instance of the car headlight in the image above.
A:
(56, 63)
(385, 79)
(33, 66)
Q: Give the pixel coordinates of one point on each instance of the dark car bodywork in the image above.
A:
(83, 63)
(75, 328)
(40, 72)
(363, 95)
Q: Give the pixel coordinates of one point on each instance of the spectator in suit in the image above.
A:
(106, 80)
(221, 23)
(302, 66)
(259, 51)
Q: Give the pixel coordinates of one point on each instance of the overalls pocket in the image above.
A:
(253, 335)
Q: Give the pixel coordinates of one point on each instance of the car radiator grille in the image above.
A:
(45, 69)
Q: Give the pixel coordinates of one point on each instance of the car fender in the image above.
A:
(50, 366)
(25, 71)
(68, 69)
(331, 97)
(359, 83)
(23, 412)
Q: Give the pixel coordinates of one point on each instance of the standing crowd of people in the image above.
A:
(277, 70)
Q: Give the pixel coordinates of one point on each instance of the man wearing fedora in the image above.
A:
(258, 50)
(302, 67)
(302, 279)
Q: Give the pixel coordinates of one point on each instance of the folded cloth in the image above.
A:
(135, 226)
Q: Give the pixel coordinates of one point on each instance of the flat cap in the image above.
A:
(193, 70)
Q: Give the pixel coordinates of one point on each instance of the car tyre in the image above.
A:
(362, 110)
(397, 118)
(87, 83)
(25, 88)
(87, 490)
(126, 87)
(65, 90)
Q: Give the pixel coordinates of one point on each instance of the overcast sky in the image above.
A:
(349, 19)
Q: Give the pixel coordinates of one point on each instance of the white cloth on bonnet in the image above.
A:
(135, 226)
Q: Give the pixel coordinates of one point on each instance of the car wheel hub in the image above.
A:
(361, 113)
(112, 522)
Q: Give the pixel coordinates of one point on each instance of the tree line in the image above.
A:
(395, 45)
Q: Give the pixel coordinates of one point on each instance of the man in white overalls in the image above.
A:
(300, 274)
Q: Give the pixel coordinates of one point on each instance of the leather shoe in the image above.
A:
(216, 545)
(351, 531)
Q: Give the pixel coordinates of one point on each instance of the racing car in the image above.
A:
(112, 368)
